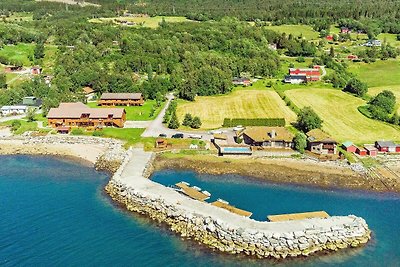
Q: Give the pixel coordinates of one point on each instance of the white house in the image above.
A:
(13, 110)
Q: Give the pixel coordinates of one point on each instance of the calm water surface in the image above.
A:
(54, 213)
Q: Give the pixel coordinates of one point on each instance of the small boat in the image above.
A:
(223, 201)
(196, 188)
(206, 193)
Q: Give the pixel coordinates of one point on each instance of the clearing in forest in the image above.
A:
(151, 22)
(242, 103)
(341, 118)
(296, 30)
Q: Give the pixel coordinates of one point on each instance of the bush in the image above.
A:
(15, 125)
(356, 87)
(196, 123)
(98, 133)
(187, 121)
(77, 131)
(308, 120)
(300, 142)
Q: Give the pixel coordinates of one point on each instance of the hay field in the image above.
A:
(243, 103)
(379, 73)
(341, 118)
(307, 31)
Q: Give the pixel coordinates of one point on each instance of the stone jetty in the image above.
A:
(224, 231)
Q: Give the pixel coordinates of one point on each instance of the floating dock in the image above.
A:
(298, 216)
(192, 192)
(232, 209)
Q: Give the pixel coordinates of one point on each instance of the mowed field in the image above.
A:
(341, 118)
(379, 73)
(151, 22)
(21, 53)
(242, 103)
(296, 30)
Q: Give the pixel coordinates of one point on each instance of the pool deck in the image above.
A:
(131, 175)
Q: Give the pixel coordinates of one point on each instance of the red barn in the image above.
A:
(329, 38)
(345, 30)
(371, 150)
(349, 147)
(311, 74)
(386, 146)
(352, 57)
(361, 151)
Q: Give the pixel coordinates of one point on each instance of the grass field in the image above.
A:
(341, 118)
(137, 113)
(243, 103)
(20, 53)
(296, 30)
(389, 38)
(151, 22)
(379, 73)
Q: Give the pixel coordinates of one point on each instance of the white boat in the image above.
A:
(196, 188)
(223, 201)
(206, 193)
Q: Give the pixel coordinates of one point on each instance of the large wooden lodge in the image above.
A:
(121, 99)
(79, 115)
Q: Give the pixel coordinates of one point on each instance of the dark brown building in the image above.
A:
(121, 99)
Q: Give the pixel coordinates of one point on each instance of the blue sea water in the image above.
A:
(53, 212)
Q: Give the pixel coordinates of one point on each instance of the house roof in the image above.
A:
(261, 134)
(317, 135)
(14, 107)
(75, 111)
(370, 148)
(88, 90)
(347, 144)
(121, 96)
(386, 143)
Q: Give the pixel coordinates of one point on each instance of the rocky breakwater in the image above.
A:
(231, 233)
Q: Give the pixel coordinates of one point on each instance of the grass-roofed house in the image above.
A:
(274, 137)
(321, 143)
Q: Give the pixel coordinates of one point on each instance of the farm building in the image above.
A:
(14, 110)
(372, 43)
(345, 30)
(387, 146)
(371, 150)
(241, 81)
(303, 75)
(349, 147)
(274, 137)
(361, 151)
(89, 93)
(352, 57)
(36, 70)
(329, 38)
(121, 99)
(79, 115)
(321, 143)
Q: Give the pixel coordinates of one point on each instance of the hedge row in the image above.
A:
(254, 122)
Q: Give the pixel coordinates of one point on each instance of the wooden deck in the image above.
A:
(193, 193)
(298, 216)
(232, 209)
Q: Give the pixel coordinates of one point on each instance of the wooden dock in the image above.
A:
(298, 216)
(232, 209)
(191, 192)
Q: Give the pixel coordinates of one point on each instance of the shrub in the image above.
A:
(15, 125)
(98, 133)
(187, 121)
(308, 120)
(77, 131)
(356, 87)
(300, 142)
(196, 123)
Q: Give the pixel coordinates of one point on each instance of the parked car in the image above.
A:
(177, 135)
(195, 136)
(162, 135)
(238, 128)
(216, 132)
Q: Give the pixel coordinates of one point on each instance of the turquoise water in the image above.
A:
(54, 213)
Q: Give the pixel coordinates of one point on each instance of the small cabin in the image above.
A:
(36, 70)
(349, 147)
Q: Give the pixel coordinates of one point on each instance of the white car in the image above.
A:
(216, 132)
(238, 128)
(195, 136)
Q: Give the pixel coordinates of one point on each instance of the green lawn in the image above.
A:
(25, 126)
(150, 22)
(341, 118)
(137, 113)
(130, 135)
(389, 38)
(378, 74)
(296, 30)
(18, 53)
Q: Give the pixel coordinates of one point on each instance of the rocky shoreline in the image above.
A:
(226, 232)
